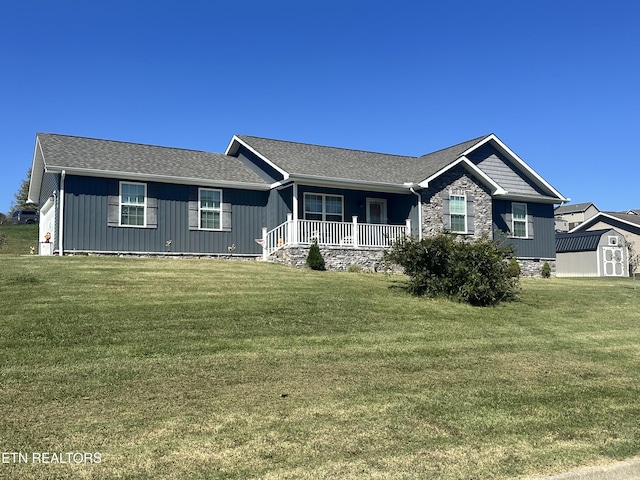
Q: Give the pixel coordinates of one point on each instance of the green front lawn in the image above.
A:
(172, 368)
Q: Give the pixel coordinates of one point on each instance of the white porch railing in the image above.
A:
(340, 234)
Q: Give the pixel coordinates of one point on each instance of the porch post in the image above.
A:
(265, 249)
(290, 229)
(295, 213)
(408, 224)
(354, 219)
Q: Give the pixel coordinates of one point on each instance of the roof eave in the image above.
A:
(523, 197)
(233, 147)
(529, 172)
(469, 166)
(350, 184)
(37, 171)
(87, 172)
(599, 215)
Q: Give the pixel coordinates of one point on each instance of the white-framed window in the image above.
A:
(320, 206)
(133, 202)
(458, 212)
(210, 209)
(613, 240)
(519, 220)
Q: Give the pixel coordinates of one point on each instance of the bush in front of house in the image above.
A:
(513, 269)
(475, 272)
(315, 261)
(546, 270)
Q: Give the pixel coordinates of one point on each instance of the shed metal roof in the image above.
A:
(579, 242)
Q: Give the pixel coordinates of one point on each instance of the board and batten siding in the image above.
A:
(540, 218)
(86, 221)
(502, 171)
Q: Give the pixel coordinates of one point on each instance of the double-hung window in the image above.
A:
(519, 220)
(132, 204)
(210, 209)
(458, 212)
(323, 207)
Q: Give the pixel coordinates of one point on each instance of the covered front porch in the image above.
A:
(353, 235)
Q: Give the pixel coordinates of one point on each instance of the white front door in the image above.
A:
(613, 261)
(376, 210)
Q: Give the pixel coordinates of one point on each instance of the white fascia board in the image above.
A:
(530, 172)
(597, 217)
(87, 172)
(37, 171)
(523, 197)
(351, 184)
(232, 149)
(469, 166)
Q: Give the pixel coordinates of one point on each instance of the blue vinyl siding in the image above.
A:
(542, 244)
(86, 220)
(399, 207)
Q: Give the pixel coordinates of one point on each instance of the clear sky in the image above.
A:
(557, 81)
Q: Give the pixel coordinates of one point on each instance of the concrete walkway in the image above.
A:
(629, 470)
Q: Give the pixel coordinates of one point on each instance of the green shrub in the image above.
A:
(314, 258)
(546, 270)
(513, 270)
(3, 239)
(354, 268)
(471, 271)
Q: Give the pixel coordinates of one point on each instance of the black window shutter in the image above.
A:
(113, 204)
(193, 209)
(446, 213)
(508, 219)
(226, 217)
(471, 212)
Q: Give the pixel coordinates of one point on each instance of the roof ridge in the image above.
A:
(474, 140)
(327, 146)
(125, 142)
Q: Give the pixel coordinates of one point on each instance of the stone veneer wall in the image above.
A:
(456, 179)
(532, 267)
(335, 258)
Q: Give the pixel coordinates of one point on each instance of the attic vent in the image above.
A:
(613, 240)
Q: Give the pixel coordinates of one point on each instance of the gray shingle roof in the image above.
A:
(579, 241)
(576, 207)
(82, 153)
(627, 217)
(355, 165)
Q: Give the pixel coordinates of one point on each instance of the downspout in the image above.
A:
(419, 212)
(61, 213)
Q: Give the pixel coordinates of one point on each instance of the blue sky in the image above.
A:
(557, 81)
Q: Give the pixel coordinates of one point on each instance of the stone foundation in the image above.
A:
(335, 258)
(370, 260)
(532, 267)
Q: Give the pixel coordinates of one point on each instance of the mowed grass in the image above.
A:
(173, 368)
(18, 239)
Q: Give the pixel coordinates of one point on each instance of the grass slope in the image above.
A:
(18, 238)
(212, 369)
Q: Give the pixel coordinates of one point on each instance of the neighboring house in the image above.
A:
(569, 217)
(596, 253)
(270, 199)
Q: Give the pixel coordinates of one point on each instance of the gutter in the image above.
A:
(419, 212)
(158, 178)
(63, 174)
